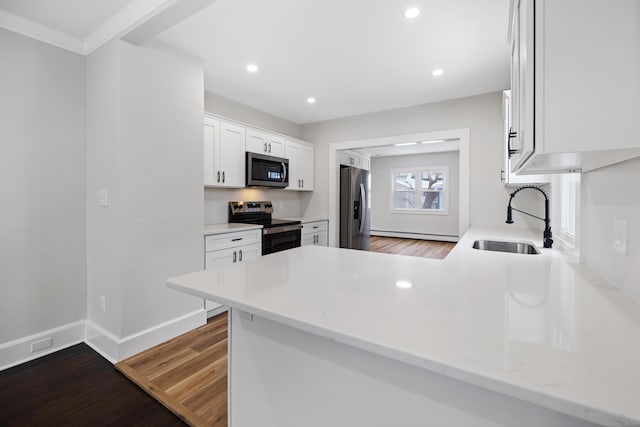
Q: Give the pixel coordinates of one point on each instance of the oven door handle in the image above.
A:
(284, 229)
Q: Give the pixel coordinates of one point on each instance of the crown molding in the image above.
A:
(133, 15)
(20, 25)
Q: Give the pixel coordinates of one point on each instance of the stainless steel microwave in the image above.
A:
(267, 171)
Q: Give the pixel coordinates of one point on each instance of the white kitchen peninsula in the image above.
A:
(322, 336)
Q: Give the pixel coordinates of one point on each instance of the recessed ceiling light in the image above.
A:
(411, 13)
(405, 143)
(311, 100)
(252, 68)
(402, 284)
(437, 72)
(433, 141)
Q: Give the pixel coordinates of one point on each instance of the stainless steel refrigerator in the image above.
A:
(355, 204)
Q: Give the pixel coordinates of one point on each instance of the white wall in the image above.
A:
(481, 114)
(610, 194)
(42, 181)
(384, 220)
(154, 174)
(217, 104)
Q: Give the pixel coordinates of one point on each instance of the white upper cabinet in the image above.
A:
(508, 177)
(275, 145)
(352, 158)
(301, 160)
(264, 143)
(574, 84)
(224, 159)
(211, 151)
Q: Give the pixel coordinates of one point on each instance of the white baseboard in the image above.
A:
(421, 236)
(18, 351)
(211, 312)
(115, 349)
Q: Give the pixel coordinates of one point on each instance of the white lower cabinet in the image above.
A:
(229, 248)
(315, 233)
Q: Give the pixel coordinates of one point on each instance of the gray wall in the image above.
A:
(610, 194)
(42, 187)
(481, 114)
(217, 104)
(384, 220)
(151, 162)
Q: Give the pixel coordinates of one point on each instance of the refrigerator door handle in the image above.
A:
(363, 207)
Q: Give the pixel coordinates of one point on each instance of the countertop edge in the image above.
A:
(545, 400)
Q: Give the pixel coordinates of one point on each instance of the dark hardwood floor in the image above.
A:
(411, 247)
(76, 387)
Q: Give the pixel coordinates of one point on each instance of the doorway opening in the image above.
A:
(404, 194)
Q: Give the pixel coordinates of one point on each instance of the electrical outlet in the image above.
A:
(103, 303)
(41, 344)
(620, 236)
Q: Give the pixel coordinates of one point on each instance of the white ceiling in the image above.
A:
(73, 17)
(353, 56)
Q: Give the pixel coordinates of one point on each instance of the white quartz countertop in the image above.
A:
(228, 227)
(536, 327)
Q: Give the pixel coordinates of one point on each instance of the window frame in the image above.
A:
(418, 171)
(568, 207)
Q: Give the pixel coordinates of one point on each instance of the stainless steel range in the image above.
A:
(277, 234)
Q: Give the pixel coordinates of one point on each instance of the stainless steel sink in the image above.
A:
(510, 247)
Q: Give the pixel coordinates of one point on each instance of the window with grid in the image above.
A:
(420, 190)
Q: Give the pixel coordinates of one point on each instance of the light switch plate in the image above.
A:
(104, 198)
(620, 236)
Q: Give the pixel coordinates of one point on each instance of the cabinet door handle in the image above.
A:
(269, 147)
(234, 256)
(317, 226)
(512, 135)
(502, 175)
(265, 147)
(240, 254)
(218, 176)
(237, 239)
(302, 183)
(223, 176)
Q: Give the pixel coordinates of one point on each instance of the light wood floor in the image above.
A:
(412, 247)
(188, 374)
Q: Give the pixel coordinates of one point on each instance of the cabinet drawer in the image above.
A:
(232, 255)
(314, 227)
(216, 242)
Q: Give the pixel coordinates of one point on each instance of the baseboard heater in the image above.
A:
(409, 235)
